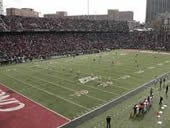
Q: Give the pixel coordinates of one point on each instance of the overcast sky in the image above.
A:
(77, 7)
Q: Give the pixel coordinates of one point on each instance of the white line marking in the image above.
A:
(35, 102)
(150, 67)
(114, 100)
(125, 77)
(167, 61)
(54, 84)
(80, 84)
(49, 93)
(160, 64)
(139, 72)
(123, 54)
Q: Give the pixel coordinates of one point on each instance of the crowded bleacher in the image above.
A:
(17, 23)
(24, 38)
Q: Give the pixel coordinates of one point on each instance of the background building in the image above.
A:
(1, 7)
(58, 14)
(154, 7)
(27, 12)
(111, 15)
(162, 22)
(120, 15)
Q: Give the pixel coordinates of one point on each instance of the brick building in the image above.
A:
(56, 15)
(26, 12)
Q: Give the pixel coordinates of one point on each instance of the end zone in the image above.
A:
(17, 111)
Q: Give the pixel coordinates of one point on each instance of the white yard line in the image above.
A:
(57, 85)
(151, 67)
(125, 77)
(57, 96)
(167, 61)
(63, 125)
(80, 84)
(35, 102)
(85, 85)
(88, 86)
(75, 90)
(160, 64)
(139, 72)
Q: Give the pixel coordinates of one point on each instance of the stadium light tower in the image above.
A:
(88, 7)
(1, 7)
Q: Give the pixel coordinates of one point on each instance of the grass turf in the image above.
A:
(120, 115)
(55, 84)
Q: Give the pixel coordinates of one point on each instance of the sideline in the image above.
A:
(80, 120)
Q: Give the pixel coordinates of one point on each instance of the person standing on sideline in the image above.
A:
(166, 91)
(161, 100)
(160, 84)
(164, 81)
(151, 92)
(108, 119)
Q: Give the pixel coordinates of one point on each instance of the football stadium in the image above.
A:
(82, 73)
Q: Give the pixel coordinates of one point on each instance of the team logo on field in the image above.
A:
(8, 103)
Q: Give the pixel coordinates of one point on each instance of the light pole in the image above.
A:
(88, 7)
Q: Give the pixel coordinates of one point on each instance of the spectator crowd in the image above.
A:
(28, 38)
(16, 23)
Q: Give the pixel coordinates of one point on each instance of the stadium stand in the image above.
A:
(16, 23)
(23, 38)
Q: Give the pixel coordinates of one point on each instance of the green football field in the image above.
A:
(74, 86)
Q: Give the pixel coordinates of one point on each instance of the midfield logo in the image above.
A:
(8, 103)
